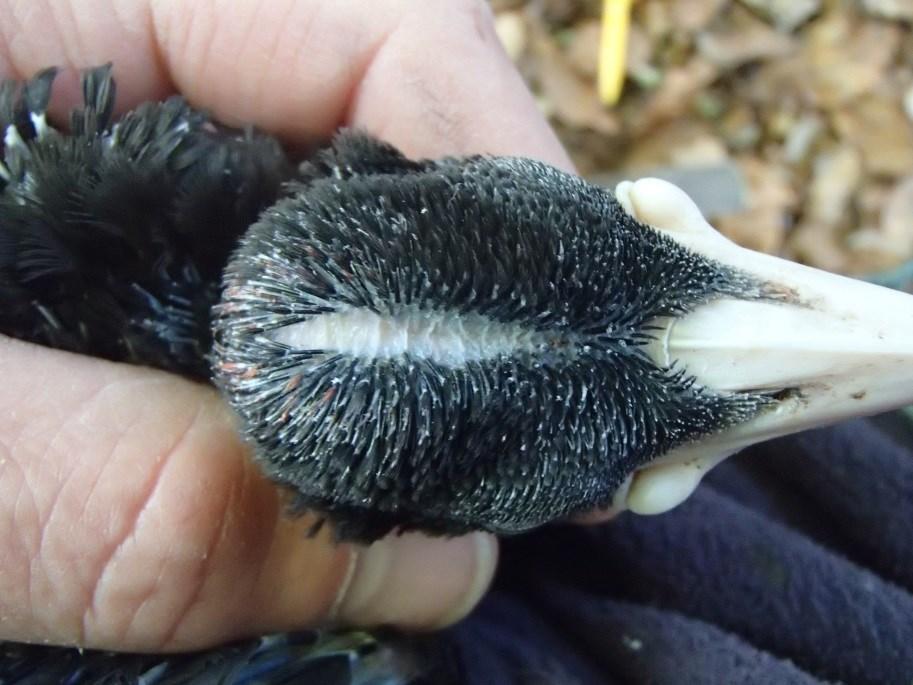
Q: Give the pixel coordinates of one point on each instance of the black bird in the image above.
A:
(447, 345)
(480, 343)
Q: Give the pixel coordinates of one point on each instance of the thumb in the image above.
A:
(416, 581)
(133, 518)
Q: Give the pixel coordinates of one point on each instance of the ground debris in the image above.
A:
(809, 101)
(890, 9)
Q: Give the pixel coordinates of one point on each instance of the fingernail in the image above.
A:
(486, 561)
(417, 582)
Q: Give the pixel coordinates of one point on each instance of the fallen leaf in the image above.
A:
(869, 250)
(898, 212)
(848, 57)
(504, 5)
(888, 242)
(770, 201)
(835, 176)
(673, 96)
(583, 47)
(639, 64)
(841, 57)
(567, 97)
(878, 127)
(740, 127)
(678, 143)
(744, 38)
(890, 9)
(786, 15)
(818, 246)
(655, 17)
(818, 240)
(822, 134)
(557, 12)
(692, 16)
(801, 137)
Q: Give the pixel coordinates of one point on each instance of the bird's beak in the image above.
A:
(828, 348)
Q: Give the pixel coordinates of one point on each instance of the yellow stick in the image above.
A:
(613, 46)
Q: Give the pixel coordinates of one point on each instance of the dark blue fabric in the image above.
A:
(791, 565)
(507, 642)
(861, 483)
(644, 644)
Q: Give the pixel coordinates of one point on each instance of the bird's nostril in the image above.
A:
(786, 394)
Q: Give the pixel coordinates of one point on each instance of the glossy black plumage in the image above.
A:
(352, 658)
(113, 239)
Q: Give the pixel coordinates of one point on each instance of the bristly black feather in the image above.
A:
(113, 236)
(360, 155)
(503, 444)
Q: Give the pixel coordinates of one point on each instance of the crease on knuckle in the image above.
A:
(98, 619)
(20, 523)
(197, 578)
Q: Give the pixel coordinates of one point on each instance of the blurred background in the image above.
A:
(790, 121)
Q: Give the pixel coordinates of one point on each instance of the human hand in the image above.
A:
(131, 514)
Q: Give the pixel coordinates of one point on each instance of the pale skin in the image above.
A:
(131, 516)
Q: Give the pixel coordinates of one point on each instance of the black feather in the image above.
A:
(306, 657)
(113, 237)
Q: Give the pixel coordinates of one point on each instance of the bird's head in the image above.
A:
(491, 343)
(480, 343)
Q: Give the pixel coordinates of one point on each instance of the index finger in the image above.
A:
(429, 77)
